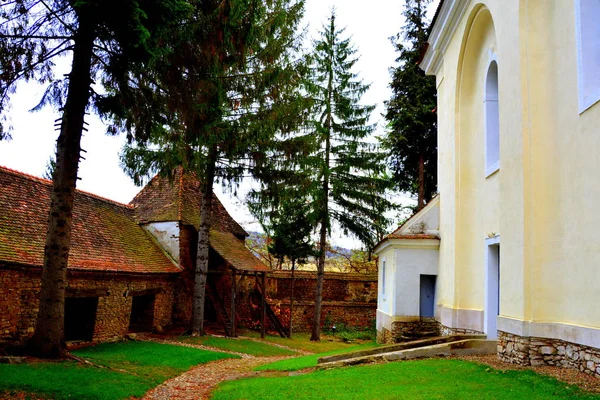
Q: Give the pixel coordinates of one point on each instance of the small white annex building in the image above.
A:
(408, 267)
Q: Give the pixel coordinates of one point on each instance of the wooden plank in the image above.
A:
(233, 321)
(263, 306)
(143, 292)
(77, 292)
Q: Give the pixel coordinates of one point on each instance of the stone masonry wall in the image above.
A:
(19, 301)
(446, 331)
(541, 351)
(349, 299)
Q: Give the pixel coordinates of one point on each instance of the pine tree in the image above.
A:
(104, 38)
(412, 137)
(344, 170)
(291, 238)
(227, 87)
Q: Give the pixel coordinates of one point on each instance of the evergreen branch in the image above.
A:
(69, 27)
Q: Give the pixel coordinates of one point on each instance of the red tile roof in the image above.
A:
(235, 252)
(105, 235)
(179, 199)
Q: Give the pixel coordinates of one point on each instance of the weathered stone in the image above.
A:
(547, 350)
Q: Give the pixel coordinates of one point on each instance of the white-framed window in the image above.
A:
(492, 120)
(587, 25)
(383, 277)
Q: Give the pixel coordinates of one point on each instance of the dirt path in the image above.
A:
(198, 382)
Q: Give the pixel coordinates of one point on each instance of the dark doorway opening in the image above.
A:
(427, 296)
(80, 318)
(142, 313)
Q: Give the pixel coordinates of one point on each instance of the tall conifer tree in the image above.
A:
(227, 88)
(344, 169)
(412, 136)
(105, 40)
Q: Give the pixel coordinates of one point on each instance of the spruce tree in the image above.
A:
(412, 137)
(228, 86)
(344, 170)
(105, 39)
(291, 238)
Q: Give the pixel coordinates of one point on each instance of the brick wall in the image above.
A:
(20, 288)
(349, 299)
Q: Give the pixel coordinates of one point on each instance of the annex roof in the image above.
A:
(105, 235)
(235, 252)
(178, 198)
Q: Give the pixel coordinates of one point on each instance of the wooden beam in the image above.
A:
(76, 292)
(233, 322)
(263, 308)
(143, 292)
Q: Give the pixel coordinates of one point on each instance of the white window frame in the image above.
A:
(588, 43)
(491, 125)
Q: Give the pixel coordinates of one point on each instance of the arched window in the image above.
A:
(587, 13)
(492, 120)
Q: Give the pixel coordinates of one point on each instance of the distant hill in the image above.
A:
(337, 258)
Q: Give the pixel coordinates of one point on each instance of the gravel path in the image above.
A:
(198, 382)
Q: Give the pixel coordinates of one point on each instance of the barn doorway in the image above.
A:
(142, 313)
(80, 318)
(427, 296)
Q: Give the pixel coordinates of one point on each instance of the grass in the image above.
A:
(245, 346)
(423, 379)
(301, 341)
(136, 367)
(309, 361)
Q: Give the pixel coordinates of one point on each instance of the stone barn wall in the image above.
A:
(349, 299)
(19, 300)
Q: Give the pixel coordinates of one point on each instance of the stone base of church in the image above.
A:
(542, 351)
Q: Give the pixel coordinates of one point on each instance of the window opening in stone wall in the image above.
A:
(142, 313)
(587, 15)
(80, 318)
(492, 120)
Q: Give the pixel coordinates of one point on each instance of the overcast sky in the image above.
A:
(369, 23)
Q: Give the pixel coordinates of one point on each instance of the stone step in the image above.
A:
(399, 346)
(461, 347)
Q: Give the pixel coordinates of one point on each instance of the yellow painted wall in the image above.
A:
(543, 200)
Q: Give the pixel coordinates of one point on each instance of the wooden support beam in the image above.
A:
(75, 292)
(233, 290)
(263, 304)
(143, 292)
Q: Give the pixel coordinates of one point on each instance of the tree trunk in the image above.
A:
(48, 338)
(316, 328)
(203, 245)
(421, 183)
(292, 298)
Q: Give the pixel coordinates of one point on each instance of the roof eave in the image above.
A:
(444, 26)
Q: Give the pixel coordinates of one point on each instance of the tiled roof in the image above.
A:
(235, 252)
(105, 235)
(179, 199)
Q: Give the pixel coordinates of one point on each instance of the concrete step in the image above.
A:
(460, 347)
(399, 346)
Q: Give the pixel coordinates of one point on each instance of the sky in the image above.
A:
(369, 24)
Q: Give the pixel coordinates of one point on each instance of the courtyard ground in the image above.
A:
(178, 367)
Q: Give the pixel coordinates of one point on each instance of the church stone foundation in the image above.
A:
(536, 351)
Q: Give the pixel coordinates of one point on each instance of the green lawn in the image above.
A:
(245, 346)
(301, 341)
(136, 368)
(298, 363)
(422, 379)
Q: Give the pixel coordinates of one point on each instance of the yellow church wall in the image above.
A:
(565, 251)
(543, 201)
